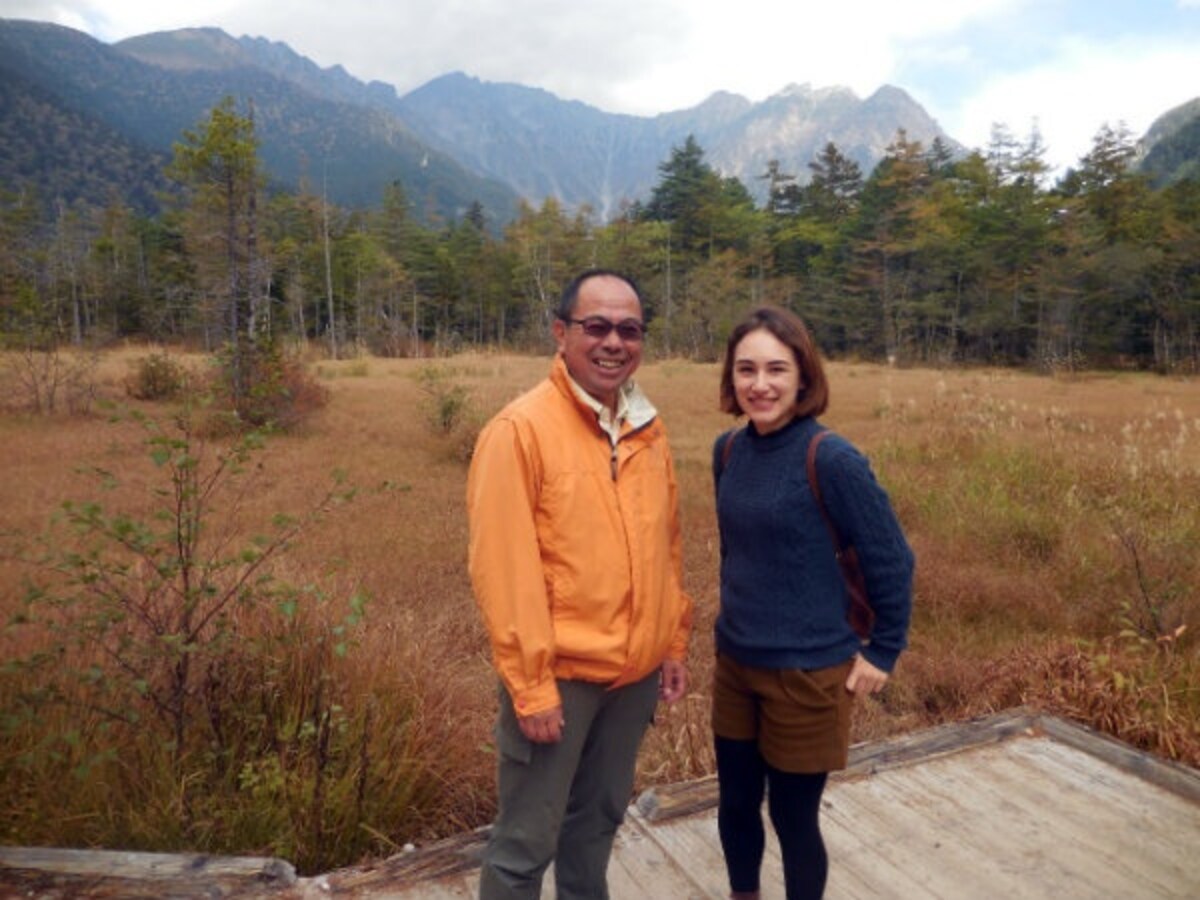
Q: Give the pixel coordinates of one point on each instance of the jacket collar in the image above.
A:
(633, 406)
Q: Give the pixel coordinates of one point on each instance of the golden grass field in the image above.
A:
(1055, 520)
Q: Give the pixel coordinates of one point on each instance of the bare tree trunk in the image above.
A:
(416, 325)
(333, 343)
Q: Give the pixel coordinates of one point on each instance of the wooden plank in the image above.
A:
(1016, 805)
(1055, 812)
(932, 743)
(988, 841)
(1137, 833)
(457, 886)
(970, 820)
(914, 841)
(871, 859)
(49, 872)
(976, 831)
(455, 855)
(694, 843)
(997, 821)
(454, 887)
(1171, 776)
(151, 865)
(688, 798)
(463, 886)
(670, 801)
(640, 867)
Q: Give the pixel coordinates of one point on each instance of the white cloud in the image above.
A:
(112, 20)
(651, 56)
(757, 47)
(1086, 86)
(641, 56)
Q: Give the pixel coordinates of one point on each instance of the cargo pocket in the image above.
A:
(511, 742)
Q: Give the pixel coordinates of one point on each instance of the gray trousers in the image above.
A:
(563, 802)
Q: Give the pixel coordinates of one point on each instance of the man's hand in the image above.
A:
(864, 678)
(544, 727)
(673, 680)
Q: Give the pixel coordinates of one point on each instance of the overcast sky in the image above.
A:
(1070, 66)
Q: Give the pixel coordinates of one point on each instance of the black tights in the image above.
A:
(794, 802)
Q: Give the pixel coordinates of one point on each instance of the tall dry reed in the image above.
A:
(1054, 520)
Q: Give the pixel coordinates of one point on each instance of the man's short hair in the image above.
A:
(570, 294)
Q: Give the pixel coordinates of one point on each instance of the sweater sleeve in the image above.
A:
(864, 517)
(506, 567)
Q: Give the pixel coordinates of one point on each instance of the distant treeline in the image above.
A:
(927, 259)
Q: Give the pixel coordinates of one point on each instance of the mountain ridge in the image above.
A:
(527, 139)
(455, 139)
(1171, 147)
(302, 135)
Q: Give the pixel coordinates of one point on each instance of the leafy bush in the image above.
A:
(46, 380)
(156, 377)
(172, 693)
(263, 387)
(447, 402)
(449, 409)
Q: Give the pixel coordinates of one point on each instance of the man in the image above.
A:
(575, 561)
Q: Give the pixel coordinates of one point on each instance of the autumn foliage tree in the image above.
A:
(217, 167)
(218, 170)
(934, 255)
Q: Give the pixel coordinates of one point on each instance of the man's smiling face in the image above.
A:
(601, 365)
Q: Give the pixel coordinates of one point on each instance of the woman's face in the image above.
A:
(766, 380)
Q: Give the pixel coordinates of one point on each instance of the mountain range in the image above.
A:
(87, 88)
(81, 119)
(1172, 145)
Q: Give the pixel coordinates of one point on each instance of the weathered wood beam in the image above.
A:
(51, 872)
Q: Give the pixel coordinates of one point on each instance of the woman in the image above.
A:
(788, 661)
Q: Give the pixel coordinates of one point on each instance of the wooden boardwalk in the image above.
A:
(1013, 806)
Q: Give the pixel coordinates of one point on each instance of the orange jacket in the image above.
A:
(577, 572)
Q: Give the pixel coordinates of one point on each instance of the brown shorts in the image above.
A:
(801, 719)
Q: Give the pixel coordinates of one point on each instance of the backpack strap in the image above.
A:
(727, 449)
(860, 614)
(815, 485)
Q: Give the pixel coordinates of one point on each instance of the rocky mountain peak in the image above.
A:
(186, 49)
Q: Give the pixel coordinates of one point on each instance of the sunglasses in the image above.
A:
(629, 330)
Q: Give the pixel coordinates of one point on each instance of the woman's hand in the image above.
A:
(673, 681)
(865, 678)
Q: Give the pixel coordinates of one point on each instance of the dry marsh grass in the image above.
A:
(1055, 523)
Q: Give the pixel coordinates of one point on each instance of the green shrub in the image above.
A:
(156, 377)
(46, 379)
(171, 693)
(447, 403)
(264, 387)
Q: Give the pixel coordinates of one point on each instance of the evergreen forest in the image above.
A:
(930, 259)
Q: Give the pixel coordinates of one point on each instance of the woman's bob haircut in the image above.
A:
(789, 329)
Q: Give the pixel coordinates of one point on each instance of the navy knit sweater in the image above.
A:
(783, 601)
